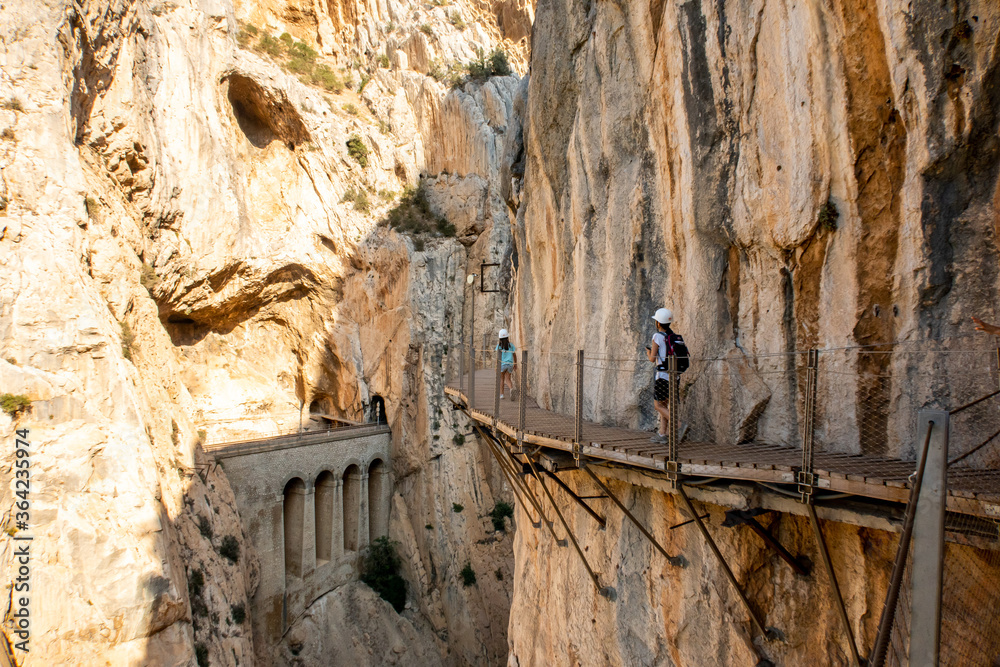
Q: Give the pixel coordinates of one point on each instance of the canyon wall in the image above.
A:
(783, 176)
(185, 262)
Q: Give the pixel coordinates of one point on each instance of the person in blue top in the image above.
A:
(508, 362)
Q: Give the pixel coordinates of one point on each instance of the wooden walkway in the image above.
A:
(971, 491)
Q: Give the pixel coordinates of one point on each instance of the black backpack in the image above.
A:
(677, 348)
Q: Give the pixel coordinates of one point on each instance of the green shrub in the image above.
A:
(93, 208)
(390, 28)
(456, 507)
(128, 340)
(386, 195)
(357, 150)
(202, 435)
(270, 46)
(468, 575)
(201, 655)
(303, 52)
(287, 40)
(456, 20)
(204, 527)
(458, 439)
(196, 582)
(828, 215)
(499, 65)
(361, 202)
(12, 104)
(326, 78)
(230, 549)
(148, 277)
(380, 570)
(501, 511)
(238, 613)
(383, 61)
(427, 29)
(383, 127)
(351, 109)
(364, 82)
(419, 244)
(298, 65)
(14, 404)
(247, 34)
(413, 215)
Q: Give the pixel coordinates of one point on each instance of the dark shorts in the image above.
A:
(660, 390)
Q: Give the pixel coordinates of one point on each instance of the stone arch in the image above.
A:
(293, 506)
(352, 507)
(325, 514)
(321, 404)
(296, 474)
(377, 484)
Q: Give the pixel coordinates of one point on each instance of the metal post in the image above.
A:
(578, 440)
(496, 392)
(928, 545)
(673, 381)
(828, 564)
(472, 351)
(892, 595)
(807, 479)
(461, 369)
(522, 401)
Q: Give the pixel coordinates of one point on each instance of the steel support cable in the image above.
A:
(975, 402)
(605, 591)
(793, 494)
(974, 449)
(892, 595)
(527, 491)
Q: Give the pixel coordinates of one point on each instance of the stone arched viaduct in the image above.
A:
(310, 503)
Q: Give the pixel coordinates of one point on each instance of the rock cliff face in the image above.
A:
(784, 176)
(183, 263)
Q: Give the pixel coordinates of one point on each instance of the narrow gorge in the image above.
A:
(246, 246)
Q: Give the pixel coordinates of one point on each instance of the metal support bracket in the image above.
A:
(747, 518)
(676, 561)
(572, 494)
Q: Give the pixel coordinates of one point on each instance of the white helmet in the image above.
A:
(503, 333)
(664, 316)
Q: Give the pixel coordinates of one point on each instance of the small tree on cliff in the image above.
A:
(380, 570)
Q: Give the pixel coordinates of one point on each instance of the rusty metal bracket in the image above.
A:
(754, 616)
(828, 564)
(605, 591)
(572, 494)
(746, 518)
(676, 561)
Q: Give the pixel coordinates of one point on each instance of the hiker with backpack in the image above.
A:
(666, 343)
(508, 362)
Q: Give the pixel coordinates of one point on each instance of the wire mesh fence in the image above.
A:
(847, 412)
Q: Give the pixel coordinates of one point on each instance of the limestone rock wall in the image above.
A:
(180, 266)
(691, 615)
(681, 154)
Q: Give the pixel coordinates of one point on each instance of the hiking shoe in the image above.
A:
(659, 439)
(501, 397)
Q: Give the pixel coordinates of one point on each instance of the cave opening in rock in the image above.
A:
(264, 115)
(376, 411)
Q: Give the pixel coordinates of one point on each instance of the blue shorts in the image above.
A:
(506, 368)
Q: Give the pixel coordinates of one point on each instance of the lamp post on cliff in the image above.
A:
(471, 281)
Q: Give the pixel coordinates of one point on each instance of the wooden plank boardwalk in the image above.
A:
(971, 491)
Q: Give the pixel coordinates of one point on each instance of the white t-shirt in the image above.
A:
(660, 340)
